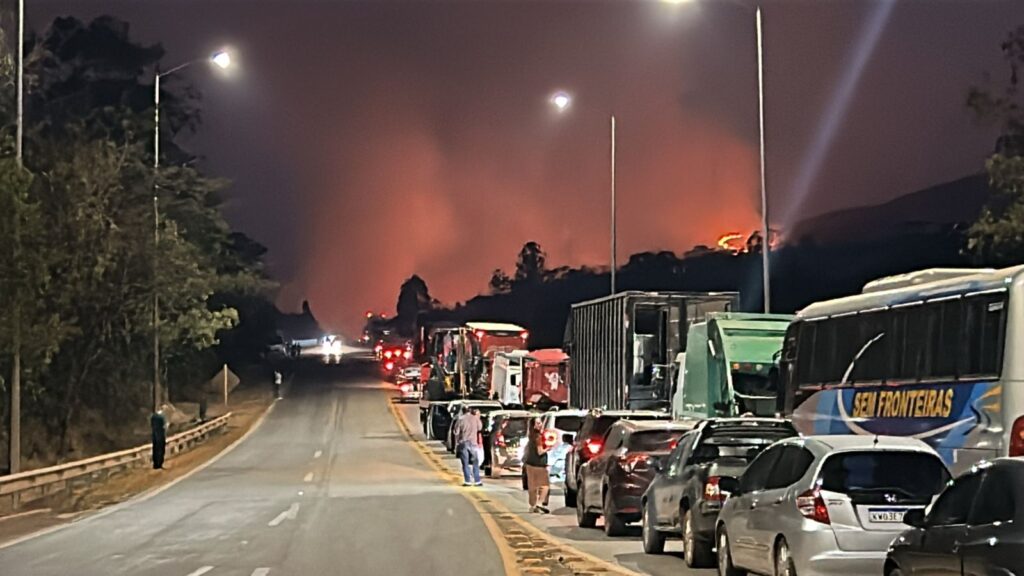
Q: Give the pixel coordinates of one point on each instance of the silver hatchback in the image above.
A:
(824, 504)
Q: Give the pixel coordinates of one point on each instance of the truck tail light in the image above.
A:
(812, 505)
(592, 447)
(713, 492)
(1017, 437)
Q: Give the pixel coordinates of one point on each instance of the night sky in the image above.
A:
(371, 140)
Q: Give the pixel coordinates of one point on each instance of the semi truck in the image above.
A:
(622, 347)
(730, 366)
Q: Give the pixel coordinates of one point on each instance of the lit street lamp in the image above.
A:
(221, 59)
(562, 101)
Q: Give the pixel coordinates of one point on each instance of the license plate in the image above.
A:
(886, 516)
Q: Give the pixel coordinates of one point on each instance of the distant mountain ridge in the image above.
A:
(940, 206)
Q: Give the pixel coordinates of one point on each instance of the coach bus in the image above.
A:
(930, 355)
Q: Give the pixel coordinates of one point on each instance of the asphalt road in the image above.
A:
(326, 485)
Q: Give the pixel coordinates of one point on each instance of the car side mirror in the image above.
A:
(914, 518)
(729, 485)
(567, 438)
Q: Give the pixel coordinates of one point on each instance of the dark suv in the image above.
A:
(684, 497)
(613, 482)
(589, 439)
(976, 526)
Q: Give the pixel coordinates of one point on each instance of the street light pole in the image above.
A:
(614, 235)
(765, 239)
(156, 242)
(14, 438)
(223, 60)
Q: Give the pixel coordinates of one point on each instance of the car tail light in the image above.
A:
(389, 366)
(405, 387)
(634, 462)
(387, 353)
(713, 492)
(1017, 437)
(407, 355)
(812, 505)
(593, 447)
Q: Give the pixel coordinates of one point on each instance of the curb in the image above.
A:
(530, 545)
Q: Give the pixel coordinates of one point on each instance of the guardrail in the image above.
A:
(31, 485)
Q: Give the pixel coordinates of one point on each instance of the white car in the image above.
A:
(827, 505)
(565, 424)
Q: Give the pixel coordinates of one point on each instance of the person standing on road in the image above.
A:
(467, 430)
(158, 426)
(536, 463)
(277, 384)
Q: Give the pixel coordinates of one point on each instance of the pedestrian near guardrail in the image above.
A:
(158, 426)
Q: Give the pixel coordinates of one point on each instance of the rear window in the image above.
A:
(881, 477)
(654, 440)
(568, 423)
(514, 427)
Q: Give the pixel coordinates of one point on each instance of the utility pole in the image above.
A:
(765, 244)
(14, 449)
(156, 243)
(613, 259)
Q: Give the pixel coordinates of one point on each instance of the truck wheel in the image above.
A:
(696, 553)
(654, 541)
(613, 524)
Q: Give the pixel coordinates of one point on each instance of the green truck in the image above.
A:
(730, 366)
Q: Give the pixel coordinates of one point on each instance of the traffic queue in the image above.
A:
(881, 433)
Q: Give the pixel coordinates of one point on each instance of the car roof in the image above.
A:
(857, 442)
(655, 425)
(497, 413)
(569, 412)
(628, 413)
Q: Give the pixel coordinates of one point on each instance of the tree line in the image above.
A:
(79, 262)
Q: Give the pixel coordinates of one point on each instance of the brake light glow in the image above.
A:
(387, 353)
(713, 492)
(389, 366)
(406, 388)
(1017, 437)
(812, 505)
(524, 334)
(479, 334)
(407, 354)
(593, 447)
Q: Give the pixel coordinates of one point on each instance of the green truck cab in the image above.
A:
(730, 366)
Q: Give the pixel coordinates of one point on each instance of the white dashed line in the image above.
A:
(288, 514)
(308, 477)
(201, 571)
(318, 454)
(261, 572)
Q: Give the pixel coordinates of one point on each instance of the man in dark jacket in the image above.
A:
(158, 425)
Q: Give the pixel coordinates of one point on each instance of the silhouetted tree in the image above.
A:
(530, 265)
(500, 282)
(997, 238)
(413, 298)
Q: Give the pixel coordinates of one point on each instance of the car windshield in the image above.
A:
(885, 477)
(654, 440)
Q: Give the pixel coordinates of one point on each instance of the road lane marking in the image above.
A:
(489, 509)
(308, 477)
(144, 496)
(290, 514)
(318, 454)
(261, 572)
(200, 571)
